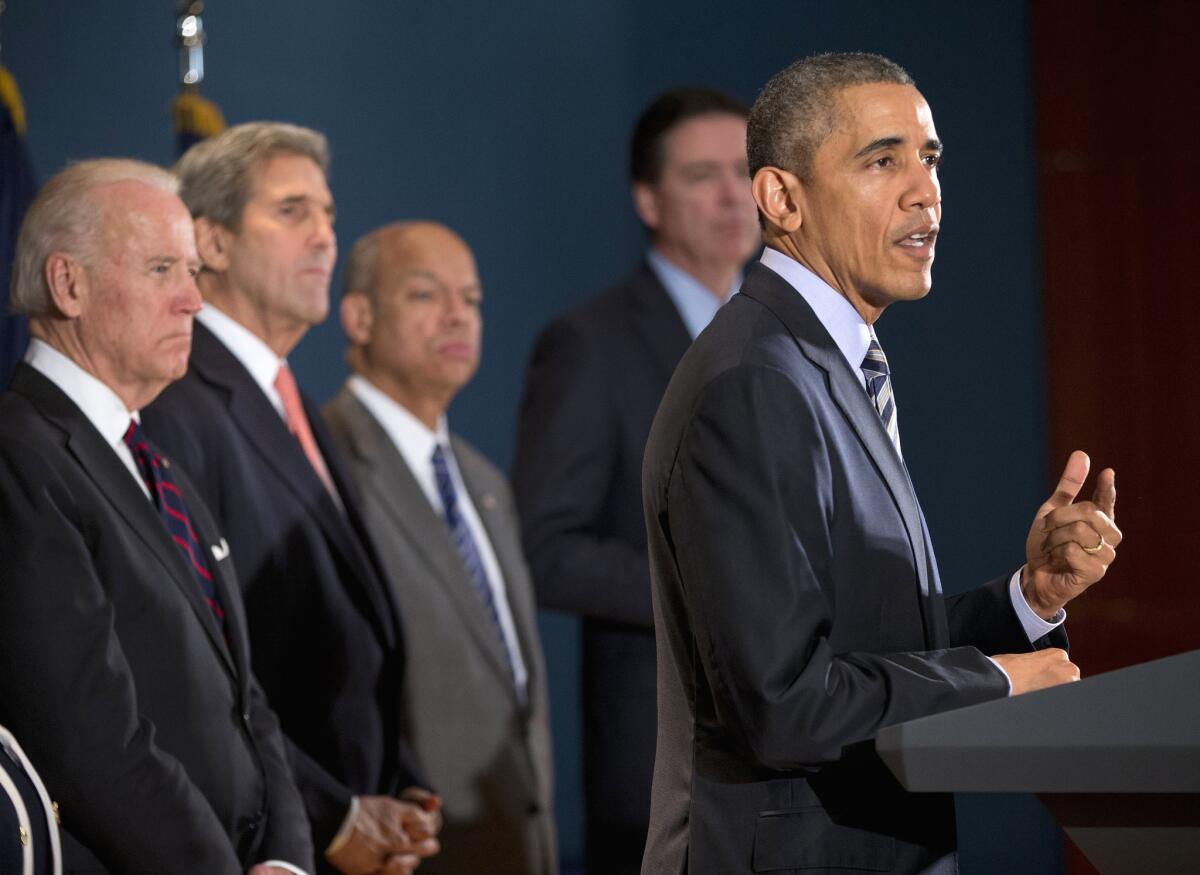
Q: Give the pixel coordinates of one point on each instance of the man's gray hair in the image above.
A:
(796, 111)
(65, 216)
(362, 265)
(214, 174)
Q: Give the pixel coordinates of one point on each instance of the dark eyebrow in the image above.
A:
(931, 145)
(876, 145)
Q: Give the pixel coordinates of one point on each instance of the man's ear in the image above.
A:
(68, 282)
(780, 198)
(645, 202)
(357, 317)
(212, 244)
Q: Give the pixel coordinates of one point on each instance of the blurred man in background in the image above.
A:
(594, 382)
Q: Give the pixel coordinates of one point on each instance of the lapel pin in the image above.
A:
(220, 551)
(488, 501)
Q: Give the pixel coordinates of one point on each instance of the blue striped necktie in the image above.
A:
(879, 388)
(156, 474)
(465, 544)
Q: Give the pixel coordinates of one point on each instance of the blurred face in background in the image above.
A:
(421, 330)
(700, 212)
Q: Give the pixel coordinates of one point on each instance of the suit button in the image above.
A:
(534, 809)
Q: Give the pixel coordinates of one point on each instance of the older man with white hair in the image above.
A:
(122, 636)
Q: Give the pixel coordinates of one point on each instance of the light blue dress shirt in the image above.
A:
(697, 305)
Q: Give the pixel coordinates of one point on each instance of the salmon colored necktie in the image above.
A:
(297, 423)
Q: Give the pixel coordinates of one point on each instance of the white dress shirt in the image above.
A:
(260, 360)
(108, 414)
(416, 444)
(249, 349)
(852, 336)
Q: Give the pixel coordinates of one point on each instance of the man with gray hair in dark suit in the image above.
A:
(327, 643)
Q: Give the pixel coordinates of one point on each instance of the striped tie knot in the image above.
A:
(875, 362)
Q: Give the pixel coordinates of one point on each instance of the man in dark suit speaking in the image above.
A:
(796, 596)
(126, 666)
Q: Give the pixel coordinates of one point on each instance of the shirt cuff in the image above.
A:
(1035, 627)
(1007, 679)
(279, 864)
(344, 831)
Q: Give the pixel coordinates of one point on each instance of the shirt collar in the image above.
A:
(414, 439)
(100, 404)
(247, 347)
(695, 303)
(838, 316)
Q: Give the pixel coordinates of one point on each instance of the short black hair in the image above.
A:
(795, 112)
(666, 112)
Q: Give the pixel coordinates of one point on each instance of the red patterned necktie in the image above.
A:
(156, 474)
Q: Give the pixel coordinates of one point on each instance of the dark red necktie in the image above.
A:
(173, 512)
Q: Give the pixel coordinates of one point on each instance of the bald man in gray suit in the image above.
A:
(444, 524)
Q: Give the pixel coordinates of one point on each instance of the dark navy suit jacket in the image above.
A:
(327, 644)
(29, 840)
(798, 610)
(595, 379)
(141, 713)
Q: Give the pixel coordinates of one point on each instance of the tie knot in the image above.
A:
(875, 362)
(135, 438)
(285, 385)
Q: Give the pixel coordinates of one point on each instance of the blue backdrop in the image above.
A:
(509, 122)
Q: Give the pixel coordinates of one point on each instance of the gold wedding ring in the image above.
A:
(1092, 551)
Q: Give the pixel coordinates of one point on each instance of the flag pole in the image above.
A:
(195, 118)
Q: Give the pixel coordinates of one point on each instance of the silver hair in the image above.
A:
(215, 174)
(362, 265)
(795, 112)
(65, 216)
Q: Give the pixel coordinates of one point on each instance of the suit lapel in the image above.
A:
(114, 481)
(264, 429)
(657, 321)
(769, 289)
(397, 491)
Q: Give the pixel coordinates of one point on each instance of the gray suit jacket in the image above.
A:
(485, 753)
